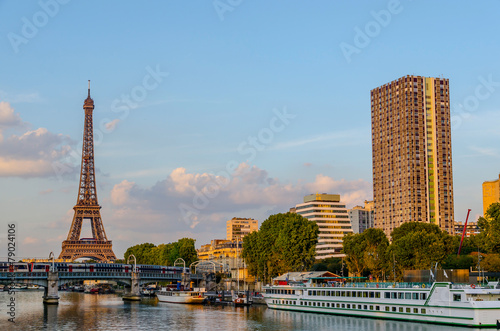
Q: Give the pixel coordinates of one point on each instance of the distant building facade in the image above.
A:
(228, 254)
(362, 218)
(472, 228)
(237, 228)
(331, 216)
(411, 153)
(491, 193)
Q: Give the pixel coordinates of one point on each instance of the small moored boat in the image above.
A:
(242, 300)
(178, 296)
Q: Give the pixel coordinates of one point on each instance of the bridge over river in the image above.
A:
(52, 275)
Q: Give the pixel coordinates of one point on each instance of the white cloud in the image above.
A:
(20, 98)
(30, 241)
(110, 126)
(33, 153)
(8, 118)
(120, 192)
(200, 202)
(45, 192)
(484, 151)
(338, 138)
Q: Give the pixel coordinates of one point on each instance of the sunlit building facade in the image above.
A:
(362, 217)
(331, 216)
(411, 153)
(491, 193)
(227, 257)
(237, 228)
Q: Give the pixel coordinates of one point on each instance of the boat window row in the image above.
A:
(272, 291)
(353, 294)
(285, 302)
(394, 309)
(405, 295)
(370, 294)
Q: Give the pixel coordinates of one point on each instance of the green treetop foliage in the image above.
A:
(375, 252)
(332, 264)
(418, 245)
(469, 244)
(141, 252)
(164, 254)
(284, 242)
(490, 224)
(491, 262)
(354, 248)
(366, 251)
(454, 261)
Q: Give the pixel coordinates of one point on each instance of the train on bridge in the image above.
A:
(89, 267)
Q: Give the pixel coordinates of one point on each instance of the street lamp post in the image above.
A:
(135, 262)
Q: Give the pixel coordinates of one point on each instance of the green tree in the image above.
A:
(375, 251)
(469, 244)
(458, 262)
(141, 252)
(354, 246)
(321, 266)
(164, 254)
(187, 251)
(491, 263)
(284, 242)
(252, 253)
(366, 251)
(490, 225)
(334, 264)
(418, 245)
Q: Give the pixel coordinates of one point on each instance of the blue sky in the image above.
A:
(205, 110)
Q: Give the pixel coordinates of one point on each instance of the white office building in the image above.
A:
(332, 219)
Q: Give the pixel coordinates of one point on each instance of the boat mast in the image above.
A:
(238, 264)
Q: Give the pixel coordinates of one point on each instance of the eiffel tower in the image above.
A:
(87, 208)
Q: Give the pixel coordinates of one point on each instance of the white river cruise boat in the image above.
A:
(176, 296)
(467, 305)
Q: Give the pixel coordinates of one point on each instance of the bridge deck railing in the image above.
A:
(89, 275)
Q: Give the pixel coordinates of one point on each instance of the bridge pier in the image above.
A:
(134, 293)
(51, 295)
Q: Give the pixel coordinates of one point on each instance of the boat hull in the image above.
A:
(182, 297)
(437, 304)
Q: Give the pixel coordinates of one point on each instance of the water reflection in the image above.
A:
(307, 321)
(50, 316)
(80, 311)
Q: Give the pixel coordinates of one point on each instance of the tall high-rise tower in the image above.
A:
(87, 208)
(411, 153)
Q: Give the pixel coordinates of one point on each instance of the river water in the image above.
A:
(82, 311)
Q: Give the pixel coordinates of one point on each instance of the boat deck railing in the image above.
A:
(376, 285)
(362, 285)
(472, 286)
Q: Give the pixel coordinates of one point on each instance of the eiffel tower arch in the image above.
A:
(87, 208)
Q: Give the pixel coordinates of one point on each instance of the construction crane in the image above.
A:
(463, 233)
